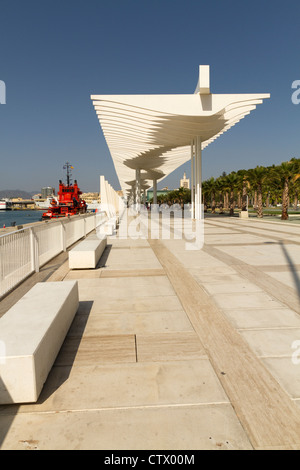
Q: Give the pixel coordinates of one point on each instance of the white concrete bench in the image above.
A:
(108, 227)
(87, 253)
(31, 335)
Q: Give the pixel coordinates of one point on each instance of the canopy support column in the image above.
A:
(138, 188)
(198, 179)
(192, 180)
(154, 191)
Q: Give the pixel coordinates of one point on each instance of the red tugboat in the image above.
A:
(69, 200)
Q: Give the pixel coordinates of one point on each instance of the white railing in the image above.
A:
(25, 251)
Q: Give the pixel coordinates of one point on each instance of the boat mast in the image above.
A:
(68, 167)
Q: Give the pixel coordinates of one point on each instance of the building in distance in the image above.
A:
(47, 192)
(185, 182)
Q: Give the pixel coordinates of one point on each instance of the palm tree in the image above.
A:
(285, 175)
(243, 186)
(204, 194)
(257, 177)
(296, 194)
(210, 190)
(295, 186)
(183, 196)
(231, 182)
(176, 196)
(222, 187)
(219, 185)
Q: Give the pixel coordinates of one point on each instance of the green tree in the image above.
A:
(219, 185)
(231, 182)
(209, 191)
(243, 186)
(257, 177)
(284, 176)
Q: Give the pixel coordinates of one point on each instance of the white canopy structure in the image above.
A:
(149, 136)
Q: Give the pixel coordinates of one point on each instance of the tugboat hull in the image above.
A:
(69, 201)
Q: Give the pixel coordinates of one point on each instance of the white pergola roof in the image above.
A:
(153, 133)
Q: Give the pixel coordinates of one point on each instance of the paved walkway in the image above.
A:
(177, 349)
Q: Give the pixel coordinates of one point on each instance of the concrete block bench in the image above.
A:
(31, 335)
(108, 228)
(87, 253)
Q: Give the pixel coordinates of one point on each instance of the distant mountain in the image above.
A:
(12, 193)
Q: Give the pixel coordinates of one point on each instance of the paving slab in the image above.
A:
(97, 350)
(146, 304)
(185, 427)
(198, 259)
(226, 287)
(132, 264)
(145, 384)
(286, 372)
(246, 300)
(263, 318)
(216, 277)
(290, 278)
(117, 242)
(122, 258)
(124, 288)
(132, 273)
(218, 231)
(169, 346)
(229, 239)
(83, 274)
(213, 272)
(275, 253)
(130, 323)
(272, 342)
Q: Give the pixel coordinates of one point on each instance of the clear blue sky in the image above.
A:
(55, 54)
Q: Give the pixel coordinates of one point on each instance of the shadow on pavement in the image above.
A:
(293, 269)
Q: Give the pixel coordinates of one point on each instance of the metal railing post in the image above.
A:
(34, 251)
(84, 226)
(63, 237)
(1, 263)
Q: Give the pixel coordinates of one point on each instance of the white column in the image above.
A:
(198, 179)
(192, 181)
(138, 187)
(154, 191)
(195, 175)
(134, 193)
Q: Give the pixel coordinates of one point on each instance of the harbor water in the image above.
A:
(19, 217)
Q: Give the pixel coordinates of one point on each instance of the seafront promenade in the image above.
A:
(174, 349)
